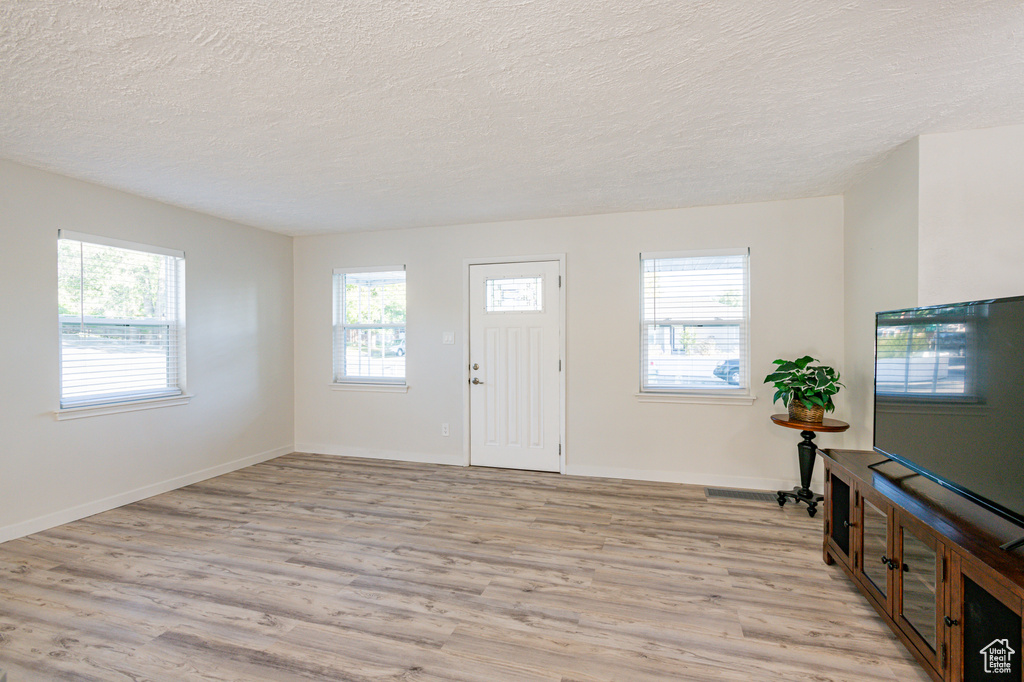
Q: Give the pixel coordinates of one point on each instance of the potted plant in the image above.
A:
(804, 388)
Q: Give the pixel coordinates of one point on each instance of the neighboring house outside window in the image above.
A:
(694, 327)
(121, 311)
(369, 325)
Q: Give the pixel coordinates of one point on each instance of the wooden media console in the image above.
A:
(930, 563)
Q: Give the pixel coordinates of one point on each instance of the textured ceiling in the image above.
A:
(308, 116)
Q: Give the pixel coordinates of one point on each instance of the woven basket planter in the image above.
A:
(798, 412)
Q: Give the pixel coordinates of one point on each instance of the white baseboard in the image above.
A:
(41, 523)
(372, 453)
(714, 480)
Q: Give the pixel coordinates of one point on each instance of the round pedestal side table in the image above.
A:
(806, 451)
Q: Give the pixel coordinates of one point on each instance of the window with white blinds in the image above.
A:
(369, 325)
(121, 311)
(694, 322)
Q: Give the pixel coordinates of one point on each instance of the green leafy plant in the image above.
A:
(812, 385)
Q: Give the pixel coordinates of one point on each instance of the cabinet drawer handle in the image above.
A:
(950, 622)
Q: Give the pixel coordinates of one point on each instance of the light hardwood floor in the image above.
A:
(310, 567)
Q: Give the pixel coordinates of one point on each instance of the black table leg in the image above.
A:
(802, 493)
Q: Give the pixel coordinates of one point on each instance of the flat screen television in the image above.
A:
(949, 398)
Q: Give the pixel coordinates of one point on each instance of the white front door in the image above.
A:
(514, 345)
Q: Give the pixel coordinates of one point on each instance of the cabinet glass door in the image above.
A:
(992, 636)
(918, 604)
(840, 519)
(875, 554)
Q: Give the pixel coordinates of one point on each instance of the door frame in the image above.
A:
(466, 263)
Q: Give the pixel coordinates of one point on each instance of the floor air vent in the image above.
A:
(755, 495)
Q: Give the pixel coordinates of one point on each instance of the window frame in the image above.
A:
(742, 394)
(339, 327)
(132, 400)
(489, 294)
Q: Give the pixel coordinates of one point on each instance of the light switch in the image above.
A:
(448, 337)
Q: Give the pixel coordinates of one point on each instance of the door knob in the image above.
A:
(476, 381)
(476, 366)
(950, 622)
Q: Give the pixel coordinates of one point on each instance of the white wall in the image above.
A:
(972, 215)
(939, 221)
(880, 248)
(793, 244)
(239, 355)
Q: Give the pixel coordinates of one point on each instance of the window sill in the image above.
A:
(372, 388)
(698, 398)
(115, 408)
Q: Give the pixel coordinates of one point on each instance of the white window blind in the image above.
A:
(694, 322)
(369, 325)
(121, 313)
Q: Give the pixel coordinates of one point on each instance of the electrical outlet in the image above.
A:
(444, 429)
